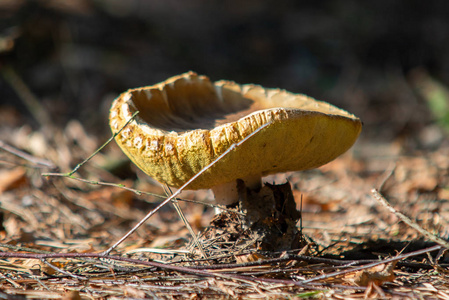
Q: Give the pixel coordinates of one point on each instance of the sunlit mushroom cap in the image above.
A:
(187, 121)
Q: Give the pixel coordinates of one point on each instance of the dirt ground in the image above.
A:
(62, 64)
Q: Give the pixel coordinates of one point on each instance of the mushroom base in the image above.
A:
(268, 223)
(271, 214)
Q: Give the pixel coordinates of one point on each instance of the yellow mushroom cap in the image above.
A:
(187, 121)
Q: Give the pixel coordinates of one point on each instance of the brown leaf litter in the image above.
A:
(343, 229)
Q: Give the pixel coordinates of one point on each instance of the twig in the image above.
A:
(62, 271)
(28, 98)
(185, 221)
(185, 270)
(386, 176)
(381, 199)
(309, 259)
(221, 207)
(364, 267)
(26, 156)
(232, 147)
(205, 273)
(138, 192)
(42, 284)
(94, 182)
(19, 248)
(289, 257)
(69, 174)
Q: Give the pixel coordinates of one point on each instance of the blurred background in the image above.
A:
(385, 61)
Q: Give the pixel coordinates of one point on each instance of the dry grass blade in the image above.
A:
(381, 199)
(35, 160)
(32, 103)
(186, 222)
(169, 267)
(93, 154)
(371, 265)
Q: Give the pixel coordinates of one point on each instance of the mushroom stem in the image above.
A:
(227, 193)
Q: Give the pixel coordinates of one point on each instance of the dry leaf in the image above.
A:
(72, 295)
(240, 259)
(133, 292)
(376, 275)
(120, 198)
(316, 203)
(12, 179)
(416, 174)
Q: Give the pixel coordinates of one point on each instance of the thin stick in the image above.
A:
(26, 156)
(364, 267)
(387, 176)
(138, 192)
(62, 271)
(69, 174)
(186, 222)
(18, 248)
(150, 214)
(30, 100)
(381, 199)
(181, 269)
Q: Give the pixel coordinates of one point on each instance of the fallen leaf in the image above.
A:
(120, 198)
(376, 275)
(240, 259)
(12, 179)
(72, 295)
(133, 292)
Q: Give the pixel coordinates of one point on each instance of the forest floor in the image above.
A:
(54, 228)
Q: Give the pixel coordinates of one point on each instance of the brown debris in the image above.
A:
(60, 215)
(72, 295)
(377, 275)
(268, 223)
(12, 179)
(272, 213)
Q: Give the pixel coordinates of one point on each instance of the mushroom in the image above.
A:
(187, 121)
